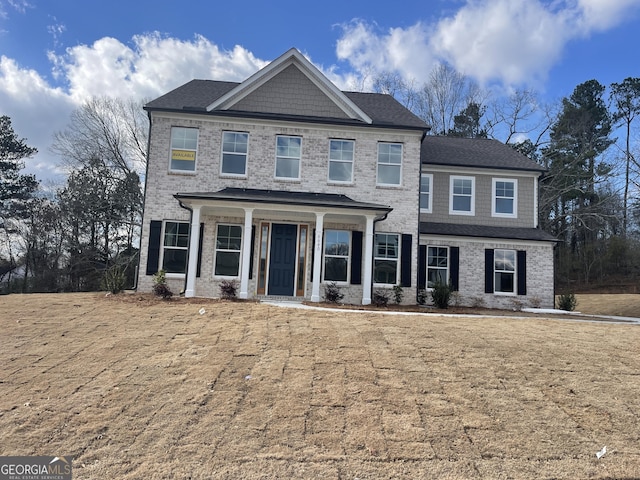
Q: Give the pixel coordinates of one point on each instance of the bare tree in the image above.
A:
(626, 101)
(110, 129)
(444, 95)
(393, 84)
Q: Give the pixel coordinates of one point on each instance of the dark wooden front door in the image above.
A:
(282, 262)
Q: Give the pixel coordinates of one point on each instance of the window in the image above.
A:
(505, 194)
(437, 266)
(184, 145)
(234, 153)
(426, 180)
(385, 258)
(504, 268)
(462, 200)
(336, 255)
(288, 153)
(228, 245)
(341, 160)
(175, 247)
(389, 163)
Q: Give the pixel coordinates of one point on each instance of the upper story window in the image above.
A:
(389, 163)
(336, 255)
(235, 146)
(505, 198)
(462, 197)
(341, 161)
(184, 147)
(426, 182)
(228, 247)
(385, 258)
(288, 154)
(504, 270)
(175, 246)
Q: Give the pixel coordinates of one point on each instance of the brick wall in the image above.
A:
(162, 184)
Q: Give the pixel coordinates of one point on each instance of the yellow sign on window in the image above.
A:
(189, 155)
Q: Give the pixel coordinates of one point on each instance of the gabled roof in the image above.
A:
(210, 97)
(485, 231)
(474, 152)
(290, 57)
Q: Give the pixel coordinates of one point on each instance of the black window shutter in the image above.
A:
(454, 267)
(356, 257)
(488, 270)
(153, 252)
(253, 241)
(200, 239)
(422, 266)
(405, 266)
(522, 272)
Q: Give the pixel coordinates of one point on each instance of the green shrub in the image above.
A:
(160, 287)
(567, 301)
(380, 298)
(114, 279)
(422, 296)
(441, 294)
(229, 289)
(397, 294)
(332, 293)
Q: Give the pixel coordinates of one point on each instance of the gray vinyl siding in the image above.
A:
(483, 198)
(290, 93)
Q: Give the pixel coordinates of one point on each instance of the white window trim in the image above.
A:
(452, 178)
(163, 247)
(429, 208)
(494, 197)
(515, 272)
(397, 260)
(324, 255)
(216, 250)
(353, 160)
(246, 157)
(195, 162)
(275, 163)
(378, 164)
(428, 288)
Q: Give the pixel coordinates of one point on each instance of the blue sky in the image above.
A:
(55, 54)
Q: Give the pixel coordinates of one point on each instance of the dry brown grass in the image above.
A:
(138, 388)
(625, 305)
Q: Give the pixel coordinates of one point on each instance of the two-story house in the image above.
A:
(284, 184)
(479, 224)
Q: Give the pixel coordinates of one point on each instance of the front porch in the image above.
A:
(279, 250)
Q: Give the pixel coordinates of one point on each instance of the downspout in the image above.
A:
(186, 269)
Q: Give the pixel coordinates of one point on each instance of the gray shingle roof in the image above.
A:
(197, 95)
(284, 198)
(474, 152)
(508, 233)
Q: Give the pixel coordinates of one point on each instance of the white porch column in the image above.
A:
(368, 261)
(246, 253)
(317, 255)
(194, 240)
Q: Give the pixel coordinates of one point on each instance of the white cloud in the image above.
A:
(598, 15)
(36, 109)
(366, 48)
(150, 66)
(514, 42)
